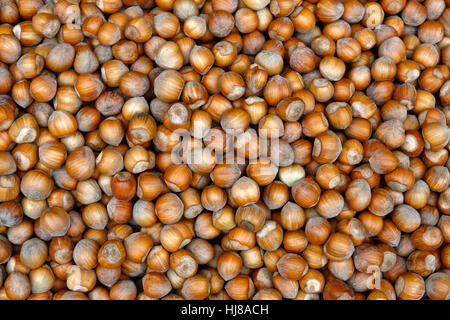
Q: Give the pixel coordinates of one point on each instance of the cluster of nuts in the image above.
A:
(224, 149)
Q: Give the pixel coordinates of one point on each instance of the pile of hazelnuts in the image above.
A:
(224, 149)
